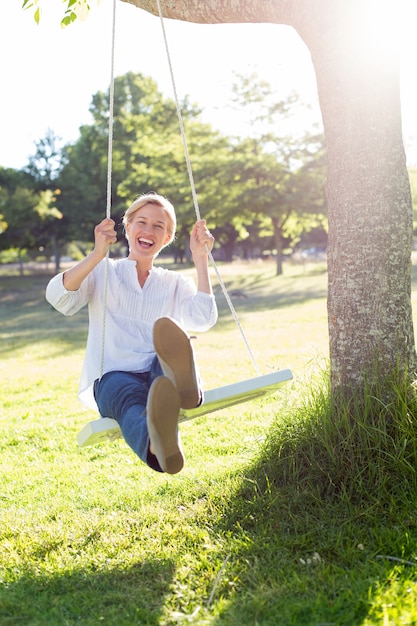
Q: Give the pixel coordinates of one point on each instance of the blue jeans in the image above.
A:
(123, 396)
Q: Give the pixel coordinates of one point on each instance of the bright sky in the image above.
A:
(49, 74)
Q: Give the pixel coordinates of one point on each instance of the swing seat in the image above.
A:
(97, 431)
(106, 428)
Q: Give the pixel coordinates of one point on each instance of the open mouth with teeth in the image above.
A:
(145, 243)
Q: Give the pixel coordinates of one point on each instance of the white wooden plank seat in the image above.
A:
(107, 429)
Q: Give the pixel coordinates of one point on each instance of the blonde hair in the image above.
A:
(157, 200)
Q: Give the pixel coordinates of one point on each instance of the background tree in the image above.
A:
(46, 164)
(270, 192)
(147, 154)
(44, 168)
(281, 174)
(28, 216)
(15, 185)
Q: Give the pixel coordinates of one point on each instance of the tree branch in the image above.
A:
(222, 11)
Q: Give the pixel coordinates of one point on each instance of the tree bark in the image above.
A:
(370, 208)
(222, 11)
(369, 200)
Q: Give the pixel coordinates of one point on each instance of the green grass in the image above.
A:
(282, 516)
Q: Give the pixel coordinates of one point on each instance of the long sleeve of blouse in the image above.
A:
(131, 312)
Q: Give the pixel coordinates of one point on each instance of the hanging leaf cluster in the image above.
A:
(75, 9)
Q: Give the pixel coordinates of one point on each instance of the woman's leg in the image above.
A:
(123, 396)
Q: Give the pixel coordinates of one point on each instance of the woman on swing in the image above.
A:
(148, 370)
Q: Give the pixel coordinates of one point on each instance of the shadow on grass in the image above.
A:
(126, 597)
(256, 299)
(301, 560)
(254, 304)
(325, 520)
(26, 316)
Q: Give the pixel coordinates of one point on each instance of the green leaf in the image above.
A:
(37, 15)
(69, 18)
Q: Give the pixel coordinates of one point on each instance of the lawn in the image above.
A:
(91, 536)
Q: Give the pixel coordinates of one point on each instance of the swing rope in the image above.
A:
(194, 193)
(109, 183)
(190, 176)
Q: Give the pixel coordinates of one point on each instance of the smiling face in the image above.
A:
(148, 231)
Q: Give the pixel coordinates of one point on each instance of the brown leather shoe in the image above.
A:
(162, 410)
(175, 353)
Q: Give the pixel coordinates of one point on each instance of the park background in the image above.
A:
(264, 526)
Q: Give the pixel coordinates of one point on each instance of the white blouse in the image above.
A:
(131, 311)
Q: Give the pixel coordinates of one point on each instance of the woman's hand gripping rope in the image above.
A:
(201, 240)
(104, 235)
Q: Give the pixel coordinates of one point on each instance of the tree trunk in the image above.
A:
(20, 262)
(278, 243)
(57, 253)
(370, 210)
